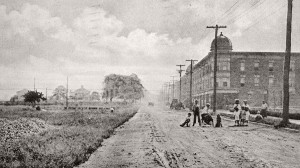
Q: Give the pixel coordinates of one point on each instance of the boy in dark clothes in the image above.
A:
(219, 122)
(187, 121)
(196, 110)
(208, 119)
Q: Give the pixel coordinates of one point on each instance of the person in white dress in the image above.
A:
(245, 112)
(237, 111)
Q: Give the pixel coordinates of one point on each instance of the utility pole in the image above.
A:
(180, 71)
(34, 84)
(46, 95)
(166, 91)
(215, 65)
(287, 60)
(67, 103)
(191, 81)
(173, 87)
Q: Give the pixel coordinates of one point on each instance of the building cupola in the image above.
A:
(223, 43)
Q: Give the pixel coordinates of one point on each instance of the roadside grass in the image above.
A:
(268, 120)
(70, 141)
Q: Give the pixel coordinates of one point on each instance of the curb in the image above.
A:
(262, 124)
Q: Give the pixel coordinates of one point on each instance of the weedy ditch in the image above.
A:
(55, 139)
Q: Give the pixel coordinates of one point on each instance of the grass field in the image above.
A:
(60, 139)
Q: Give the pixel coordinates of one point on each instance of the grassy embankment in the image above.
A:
(61, 139)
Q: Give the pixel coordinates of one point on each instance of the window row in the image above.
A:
(209, 68)
(271, 65)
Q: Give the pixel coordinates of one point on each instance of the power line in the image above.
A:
(242, 14)
(224, 15)
(257, 21)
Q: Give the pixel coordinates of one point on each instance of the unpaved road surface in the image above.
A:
(153, 138)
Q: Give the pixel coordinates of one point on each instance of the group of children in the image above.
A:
(206, 118)
(241, 113)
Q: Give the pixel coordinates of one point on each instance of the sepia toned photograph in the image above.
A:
(149, 84)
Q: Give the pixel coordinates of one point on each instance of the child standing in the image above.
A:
(247, 110)
(187, 121)
(236, 117)
(243, 116)
(237, 111)
(219, 122)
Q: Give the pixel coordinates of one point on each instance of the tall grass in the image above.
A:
(71, 140)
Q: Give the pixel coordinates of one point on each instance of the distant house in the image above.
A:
(21, 93)
(82, 94)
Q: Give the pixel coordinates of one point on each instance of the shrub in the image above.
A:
(295, 116)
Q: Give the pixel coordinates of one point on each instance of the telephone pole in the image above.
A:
(167, 84)
(191, 81)
(34, 84)
(46, 95)
(180, 71)
(287, 60)
(67, 103)
(173, 87)
(215, 65)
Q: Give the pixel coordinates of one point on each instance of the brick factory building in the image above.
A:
(254, 76)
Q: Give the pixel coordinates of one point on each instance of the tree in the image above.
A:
(122, 86)
(33, 97)
(59, 93)
(14, 98)
(95, 96)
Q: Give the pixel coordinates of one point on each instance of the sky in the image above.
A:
(84, 40)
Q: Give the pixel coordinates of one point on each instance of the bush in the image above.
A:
(269, 121)
(295, 116)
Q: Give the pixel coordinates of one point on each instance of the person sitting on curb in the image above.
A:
(187, 121)
(258, 116)
(208, 120)
(264, 109)
(205, 111)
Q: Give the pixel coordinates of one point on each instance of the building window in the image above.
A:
(271, 80)
(271, 65)
(242, 80)
(242, 65)
(256, 80)
(225, 66)
(292, 66)
(292, 80)
(256, 65)
(225, 84)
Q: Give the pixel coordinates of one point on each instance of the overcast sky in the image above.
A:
(87, 39)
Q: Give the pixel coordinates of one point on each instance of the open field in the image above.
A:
(32, 138)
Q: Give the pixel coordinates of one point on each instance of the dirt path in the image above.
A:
(153, 138)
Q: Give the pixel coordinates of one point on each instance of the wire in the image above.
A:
(242, 14)
(275, 11)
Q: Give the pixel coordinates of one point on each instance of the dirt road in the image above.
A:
(153, 138)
